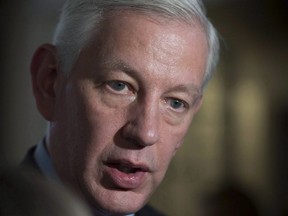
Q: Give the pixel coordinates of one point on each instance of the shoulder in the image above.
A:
(148, 210)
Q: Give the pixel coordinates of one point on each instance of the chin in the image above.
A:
(119, 203)
(118, 209)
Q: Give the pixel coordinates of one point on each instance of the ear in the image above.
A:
(44, 74)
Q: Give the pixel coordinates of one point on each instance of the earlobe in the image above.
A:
(44, 74)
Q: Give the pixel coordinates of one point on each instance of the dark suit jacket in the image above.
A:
(29, 162)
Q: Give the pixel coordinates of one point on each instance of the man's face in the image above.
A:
(123, 113)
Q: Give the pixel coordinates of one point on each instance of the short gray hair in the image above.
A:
(80, 18)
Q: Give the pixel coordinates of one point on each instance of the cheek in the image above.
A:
(171, 142)
(99, 125)
(102, 121)
(165, 156)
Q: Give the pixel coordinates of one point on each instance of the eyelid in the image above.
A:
(184, 107)
(195, 97)
(121, 76)
(128, 85)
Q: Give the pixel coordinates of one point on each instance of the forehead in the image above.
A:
(130, 23)
(150, 43)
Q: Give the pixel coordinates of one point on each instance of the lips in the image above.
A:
(127, 167)
(124, 175)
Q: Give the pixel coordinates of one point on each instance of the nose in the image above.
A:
(143, 123)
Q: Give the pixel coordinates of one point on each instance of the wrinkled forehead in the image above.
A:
(110, 15)
(112, 19)
(149, 42)
(156, 16)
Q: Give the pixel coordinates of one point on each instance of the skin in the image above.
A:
(131, 95)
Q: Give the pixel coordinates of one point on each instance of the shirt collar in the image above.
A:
(44, 161)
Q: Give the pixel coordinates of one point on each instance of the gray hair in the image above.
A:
(80, 18)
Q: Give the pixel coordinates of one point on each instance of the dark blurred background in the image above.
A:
(235, 159)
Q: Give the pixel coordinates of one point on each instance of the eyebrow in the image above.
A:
(123, 66)
(191, 89)
(118, 64)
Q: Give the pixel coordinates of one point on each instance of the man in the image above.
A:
(119, 87)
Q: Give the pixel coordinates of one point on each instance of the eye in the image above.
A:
(119, 87)
(177, 104)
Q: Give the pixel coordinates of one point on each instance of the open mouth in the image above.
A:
(127, 167)
(124, 174)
